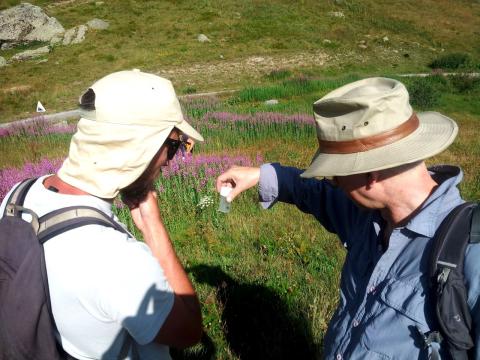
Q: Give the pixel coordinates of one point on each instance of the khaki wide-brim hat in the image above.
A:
(369, 125)
(126, 117)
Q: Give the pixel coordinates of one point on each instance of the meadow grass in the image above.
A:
(161, 37)
(267, 280)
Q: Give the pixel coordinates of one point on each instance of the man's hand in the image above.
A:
(146, 212)
(240, 178)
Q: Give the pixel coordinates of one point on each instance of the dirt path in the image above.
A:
(255, 66)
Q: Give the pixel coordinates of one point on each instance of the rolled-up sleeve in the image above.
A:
(267, 186)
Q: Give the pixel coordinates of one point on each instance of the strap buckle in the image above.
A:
(15, 210)
(429, 337)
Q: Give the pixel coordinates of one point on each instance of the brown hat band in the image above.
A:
(370, 142)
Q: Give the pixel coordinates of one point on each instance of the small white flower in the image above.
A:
(205, 202)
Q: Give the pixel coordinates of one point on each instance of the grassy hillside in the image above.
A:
(267, 280)
(248, 40)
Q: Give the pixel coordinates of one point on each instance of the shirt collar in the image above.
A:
(74, 200)
(443, 199)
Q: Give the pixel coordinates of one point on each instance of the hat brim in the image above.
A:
(188, 130)
(434, 134)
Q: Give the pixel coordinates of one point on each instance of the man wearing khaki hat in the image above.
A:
(368, 183)
(112, 296)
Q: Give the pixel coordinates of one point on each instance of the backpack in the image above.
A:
(457, 230)
(27, 326)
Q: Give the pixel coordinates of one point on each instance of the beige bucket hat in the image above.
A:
(126, 117)
(369, 125)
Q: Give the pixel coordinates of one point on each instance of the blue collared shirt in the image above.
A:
(385, 300)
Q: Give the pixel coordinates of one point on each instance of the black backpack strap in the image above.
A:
(475, 227)
(61, 220)
(446, 274)
(449, 247)
(17, 197)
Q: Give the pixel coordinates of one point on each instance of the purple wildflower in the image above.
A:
(11, 176)
(258, 118)
(37, 127)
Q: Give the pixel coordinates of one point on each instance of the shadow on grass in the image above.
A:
(258, 325)
(203, 351)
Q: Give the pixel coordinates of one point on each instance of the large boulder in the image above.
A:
(27, 22)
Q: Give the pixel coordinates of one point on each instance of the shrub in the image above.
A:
(450, 61)
(189, 90)
(279, 74)
(464, 82)
(424, 92)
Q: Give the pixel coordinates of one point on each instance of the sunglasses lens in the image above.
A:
(173, 146)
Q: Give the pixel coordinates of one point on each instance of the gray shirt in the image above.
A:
(385, 300)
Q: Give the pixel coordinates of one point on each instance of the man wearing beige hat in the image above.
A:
(112, 296)
(368, 183)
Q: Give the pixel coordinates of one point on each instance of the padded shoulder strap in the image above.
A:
(61, 220)
(17, 197)
(475, 227)
(451, 239)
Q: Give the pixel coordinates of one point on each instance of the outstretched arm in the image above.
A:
(327, 204)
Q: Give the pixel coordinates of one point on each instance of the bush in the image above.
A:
(279, 74)
(464, 82)
(424, 92)
(189, 90)
(451, 61)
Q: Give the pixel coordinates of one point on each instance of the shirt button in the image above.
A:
(339, 357)
(355, 323)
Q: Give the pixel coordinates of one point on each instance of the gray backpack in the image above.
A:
(27, 327)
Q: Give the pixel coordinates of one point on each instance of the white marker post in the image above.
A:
(40, 107)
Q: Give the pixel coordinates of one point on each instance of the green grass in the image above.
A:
(267, 280)
(281, 261)
(160, 36)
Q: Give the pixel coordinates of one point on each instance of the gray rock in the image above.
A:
(7, 46)
(203, 38)
(3, 62)
(271, 102)
(362, 46)
(26, 22)
(385, 39)
(30, 54)
(75, 35)
(56, 40)
(99, 3)
(337, 14)
(327, 41)
(98, 24)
